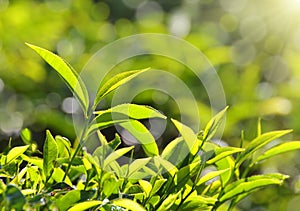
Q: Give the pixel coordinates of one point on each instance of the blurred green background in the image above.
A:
(254, 46)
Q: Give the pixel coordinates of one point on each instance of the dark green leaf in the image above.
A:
(15, 200)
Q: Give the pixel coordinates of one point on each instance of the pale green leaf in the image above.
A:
(142, 135)
(146, 186)
(171, 169)
(213, 125)
(168, 202)
(115, 82)
(58, 175)
(223, 152)
(15, 152)
(33, 160)
(26, 136)
(278, 149)
(259, 142)
(210, 176)
(68, 200)
(50, 153)
(251, 183)
(133, 111)
(85, 205)
(67, 73)
(128, 204)
(116, 154)
(137, 164)
(158, 183)
(188, 135)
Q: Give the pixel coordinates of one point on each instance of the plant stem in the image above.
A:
(81, 140)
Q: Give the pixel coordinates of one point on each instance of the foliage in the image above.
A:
(70, 178)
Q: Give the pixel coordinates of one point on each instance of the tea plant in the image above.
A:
(66, 177)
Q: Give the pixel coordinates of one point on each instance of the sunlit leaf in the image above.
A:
(188, 135)
(26, 136)
(128, 204)
(15, 152)
(278, 149)
(168, 202)
(146, 186)
(259, 142)
(67, 73)
(50, 153)
(33, 160)
(157, 185)
(171, 169)
(213, 125)
(210, 176)
(115, 82)
(137, 165)
(63, 146)
(58, 175)
(222, 152)
(133, 111)
(85, 205)
(251, 183)
(142, 135)
(68, 200)
(116, 154)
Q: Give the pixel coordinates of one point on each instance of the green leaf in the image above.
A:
(137, 164)
(33, 160)
(68, 200)
(26, 136)
(213, 125)
(251, 183)
(115, 82)
(133, 111)
(146, 186)
(210, 176)
(158, 183)
(223, 152)
(278, 149)
(198, 201)
(188, 135)
(128, 204)
(116, 154)
(142, 135)
(15, 200)
(259, 142)
(15, 152)
(168, 202)
(103, 125)
(85, 205)
(58, 175)
(67, 73)
(50, 154)
(171, 169)
(64, 146)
